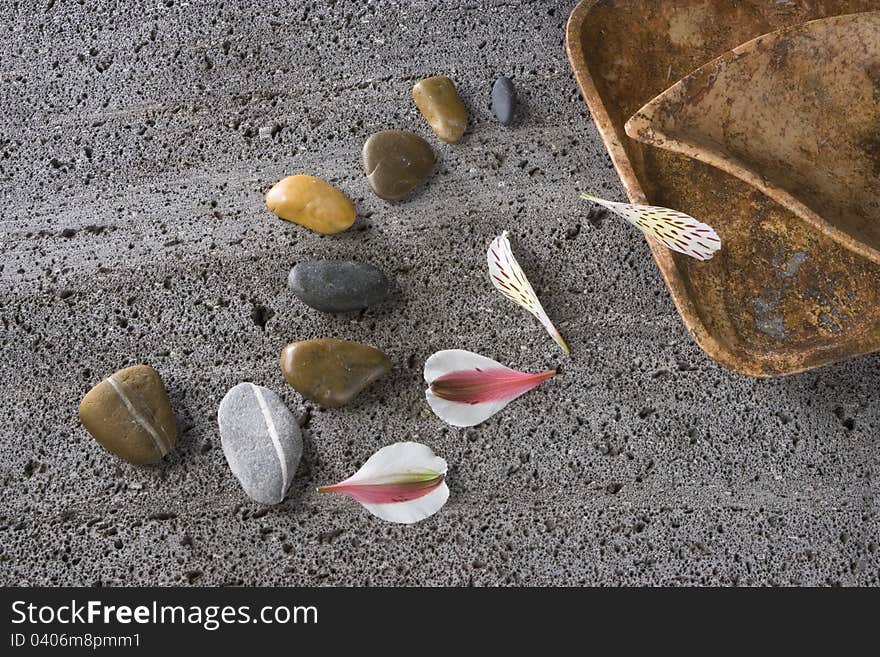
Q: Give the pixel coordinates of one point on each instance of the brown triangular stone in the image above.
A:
(332, 372)
(129, 414)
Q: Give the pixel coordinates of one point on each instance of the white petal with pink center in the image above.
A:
(465, 389)
(403, 483)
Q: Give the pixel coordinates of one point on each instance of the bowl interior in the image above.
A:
(795, 113)
(781, 296)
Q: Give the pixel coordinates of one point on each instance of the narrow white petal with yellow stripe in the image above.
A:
(674, 230)
(465, 388)
(403, 483)
(508, 278)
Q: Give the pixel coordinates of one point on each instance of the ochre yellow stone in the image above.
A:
(311, 202)
(438, 101)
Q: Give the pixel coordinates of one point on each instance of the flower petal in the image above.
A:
(452, 360)
(406, 513)
(476, 386)
(508, 278)
(674, 230)
(462, 415)
(403, 483)
(466, 389)
(389, 493)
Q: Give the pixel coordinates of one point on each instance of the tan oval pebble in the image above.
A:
(128, 413)
(311, 202)
(332, 372)
(439, 103)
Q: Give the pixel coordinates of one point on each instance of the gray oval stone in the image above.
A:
(337, 286)
(396, 162)
(261, 441)
(504, 100)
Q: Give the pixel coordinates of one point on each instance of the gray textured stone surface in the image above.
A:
(261, 441)
(133, 229)
(337, 286)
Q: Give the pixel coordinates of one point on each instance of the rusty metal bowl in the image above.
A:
(796, 113)
(780, 297)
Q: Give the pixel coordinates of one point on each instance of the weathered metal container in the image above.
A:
(782, 296)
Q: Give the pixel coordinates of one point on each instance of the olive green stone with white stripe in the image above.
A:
(261, 440)
(129, 414)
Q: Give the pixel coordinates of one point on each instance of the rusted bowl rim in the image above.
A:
(639, 123)
(662, 256)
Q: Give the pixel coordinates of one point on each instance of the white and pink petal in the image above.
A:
(403, 483)
(465, 389)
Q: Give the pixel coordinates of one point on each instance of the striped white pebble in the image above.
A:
(261, 440)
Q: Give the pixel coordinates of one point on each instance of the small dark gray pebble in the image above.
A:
(337, 286)
(504, 100)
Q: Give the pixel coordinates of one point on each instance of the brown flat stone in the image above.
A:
(311, 202)
(332, 372)
(439, 103)
(396, 162)
(128, 413)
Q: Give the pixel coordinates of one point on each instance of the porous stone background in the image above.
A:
(138, 139)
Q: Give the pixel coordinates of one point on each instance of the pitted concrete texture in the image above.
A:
(138, 139)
